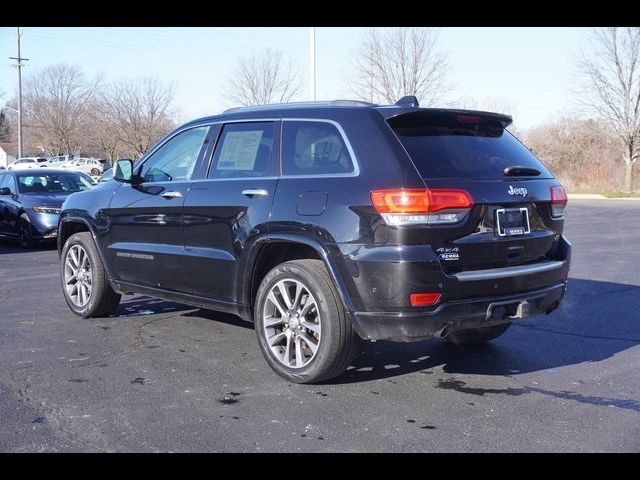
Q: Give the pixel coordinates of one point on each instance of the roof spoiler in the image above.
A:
(395, 115)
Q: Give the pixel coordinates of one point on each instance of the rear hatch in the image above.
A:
(513, 220)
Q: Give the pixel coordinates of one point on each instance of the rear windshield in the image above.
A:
(451, 150)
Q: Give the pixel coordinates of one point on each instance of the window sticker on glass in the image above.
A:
(239, 150)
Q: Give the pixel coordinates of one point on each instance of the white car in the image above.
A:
(60, 160)
(87, 165)
(28, 162)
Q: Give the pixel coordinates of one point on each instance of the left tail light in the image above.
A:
(422, 206)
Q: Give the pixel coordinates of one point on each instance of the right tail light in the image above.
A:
(558, 201)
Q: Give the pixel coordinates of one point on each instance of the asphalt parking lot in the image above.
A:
(161, 376)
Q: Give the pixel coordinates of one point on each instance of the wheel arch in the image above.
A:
(71, 225)
(274, 249)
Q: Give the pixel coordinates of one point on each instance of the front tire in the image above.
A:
(26, 232)
(303, 329)
(85, 283)
(475, 336)
(95, 172)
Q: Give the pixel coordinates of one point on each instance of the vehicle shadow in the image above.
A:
(596, 320)
(141, 305)
(10, 245)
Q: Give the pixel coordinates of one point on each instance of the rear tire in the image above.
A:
(474, 336)
(85, 283)
(95, 172)
(306, 337)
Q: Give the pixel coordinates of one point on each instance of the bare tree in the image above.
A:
(100, 132)
(5, 126)
(54, 101)
(138, 113)
(611, 69)
(582, 153)
(395, 62)
(262, 79)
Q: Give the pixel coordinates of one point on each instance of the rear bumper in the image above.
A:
(455, 315)
(381, 280)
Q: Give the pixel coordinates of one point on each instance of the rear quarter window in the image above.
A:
(314, 148)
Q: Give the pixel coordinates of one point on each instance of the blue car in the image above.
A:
(31, 201)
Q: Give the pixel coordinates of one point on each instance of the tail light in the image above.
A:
(558, 201)
(421, 206)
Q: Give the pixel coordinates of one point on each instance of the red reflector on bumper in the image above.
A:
(424, 299)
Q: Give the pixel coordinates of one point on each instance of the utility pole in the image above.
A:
(19, 61)
(312, 60)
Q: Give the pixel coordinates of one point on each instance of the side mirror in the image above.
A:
(5, 191)
(123, 171)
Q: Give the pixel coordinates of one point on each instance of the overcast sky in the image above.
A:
(527, 70)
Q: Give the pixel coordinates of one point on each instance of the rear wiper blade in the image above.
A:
(517, 170)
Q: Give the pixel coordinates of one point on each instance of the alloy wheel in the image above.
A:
(78, 278)
(291, 323)
(25, 236)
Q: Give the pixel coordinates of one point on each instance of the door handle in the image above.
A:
(171, 194)
(255, 192)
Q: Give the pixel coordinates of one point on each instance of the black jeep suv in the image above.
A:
(327, 222)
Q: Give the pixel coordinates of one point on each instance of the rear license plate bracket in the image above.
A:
(512, 221)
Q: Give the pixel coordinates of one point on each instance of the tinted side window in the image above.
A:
(311, 148)
(244, 150)
(176, 159)
(8, 181)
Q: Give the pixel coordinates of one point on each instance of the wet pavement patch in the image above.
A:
(375, 393)
(460, 386)
(411, 421)
(39, 420)
(428, 427)
(153, 346)
(77, 380)
(138, 380)
(182, 351)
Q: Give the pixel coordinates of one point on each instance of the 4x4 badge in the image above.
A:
(517, 191)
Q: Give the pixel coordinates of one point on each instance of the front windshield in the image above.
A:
(52, 183)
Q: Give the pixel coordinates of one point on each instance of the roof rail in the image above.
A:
(328, 103)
